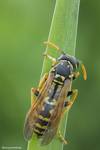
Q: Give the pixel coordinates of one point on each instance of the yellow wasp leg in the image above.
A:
(33, 96)
(72, 100)
(42, 81)
(54, 61)
(67, 107)
(35, 91)
(62, 139)
(53, 46)
(76, 75)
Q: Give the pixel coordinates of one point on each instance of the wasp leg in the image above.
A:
(34, 94)
(34, 91)
(42, 81)
(67, 106)
(54, 46)
(62, 139)
(73, 94)
(54, 61)
(76, 75)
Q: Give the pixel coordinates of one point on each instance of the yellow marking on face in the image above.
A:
(43, 118)
(39, 126)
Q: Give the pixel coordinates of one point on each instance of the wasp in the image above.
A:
(53, 97)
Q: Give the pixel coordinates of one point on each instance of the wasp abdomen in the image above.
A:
(40, 125)
(44, 117)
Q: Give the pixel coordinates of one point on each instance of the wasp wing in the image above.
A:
(36, 106)
(56, 115)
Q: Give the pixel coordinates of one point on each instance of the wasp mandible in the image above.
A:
(51, 98)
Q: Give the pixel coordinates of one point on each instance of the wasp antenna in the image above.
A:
(84, 71)
(53, 46)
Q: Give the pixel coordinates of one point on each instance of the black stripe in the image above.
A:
(41, 122)
(55, 89)
(46, 113)
(39, 129)
(38, 134)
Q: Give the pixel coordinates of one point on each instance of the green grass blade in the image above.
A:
(63, 33)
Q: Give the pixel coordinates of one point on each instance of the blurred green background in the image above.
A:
(24, 25)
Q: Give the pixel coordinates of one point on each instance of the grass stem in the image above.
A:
(63, 33)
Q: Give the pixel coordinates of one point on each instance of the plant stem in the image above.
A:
(63, 33)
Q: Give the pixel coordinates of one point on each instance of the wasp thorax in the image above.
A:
(64, 68)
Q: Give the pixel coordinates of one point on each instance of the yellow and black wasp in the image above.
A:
(50, 99)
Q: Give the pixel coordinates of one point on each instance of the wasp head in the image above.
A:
(71, 59)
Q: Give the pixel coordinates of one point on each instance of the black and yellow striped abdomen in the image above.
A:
(43, 117)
